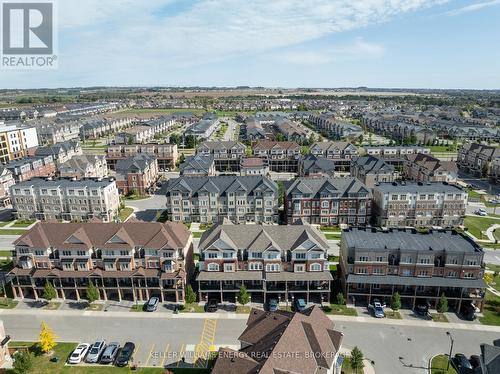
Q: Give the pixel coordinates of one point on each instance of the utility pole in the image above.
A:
(451, 350)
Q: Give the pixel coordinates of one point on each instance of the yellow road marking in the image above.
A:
(181, 352)
(149, 356)
(165, 355)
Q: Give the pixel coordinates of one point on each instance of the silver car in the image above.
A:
(95, 351)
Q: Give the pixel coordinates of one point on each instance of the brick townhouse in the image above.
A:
(241, 199)
(280, 262)
(476, 159)
(282, 157)
(6, 181)
(166, 154)
(137, 174)
(340, 152)
(420, 266)
(425, 168)
(227, 154)
(418, 204)
(31, 167)
(125, 261)
(327, 201)
(372, 170)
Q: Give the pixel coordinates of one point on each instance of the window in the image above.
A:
(124, 253)
(471, 262)
(406, 273)
(425, 261)
(211, 255)
(363, 258)
(66, 253)
(213, 267)
(379, 259)
(227, 255)
(361, 271)
(255, 266)
(256, 254)
(422, 273)
(39, 252)
(229, 267)
(300, 256)
(452, 274)
(378, 271)
(469, 275)
(315, 256)
(315, 267)
(272, 267)
(81, 253)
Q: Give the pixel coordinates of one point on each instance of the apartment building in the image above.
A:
(425, 168)
(205, 128)
(144, 132)
(84, 166)
(125, 261)
(137, 174)
(476, 159)
(308, 335)
(278, 262)
(211, 199)
(254, 166)
(198, 165)
(57, 132)
(165, 154)
(227, 154)
(16, 140)
(341, 153)
(95, 129)
(30, 167)
(282, 157)
(417, 204)
(335, 127)
(420, 267)
(6, 180)
(61, 152)
(373, 170)
(395, 155)
(63, 199)
(311, 165)
(327, 201)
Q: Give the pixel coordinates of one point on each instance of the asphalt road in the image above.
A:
(484, 184)
(230, 129)
(392, 348)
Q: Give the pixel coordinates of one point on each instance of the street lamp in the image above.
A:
(451, 349)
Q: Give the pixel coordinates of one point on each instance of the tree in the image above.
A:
(92, 293)
(340, 298)
(47, 338)
(396, 301)
(357, 359)
(360, 139)
(190, 295)
(23, 362)
(442, 305)
(488, 278)
(281, 192)
(49, 292)
(243, 296)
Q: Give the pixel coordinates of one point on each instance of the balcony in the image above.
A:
(207, 286)
(275, 286)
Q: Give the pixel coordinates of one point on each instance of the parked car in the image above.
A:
(481, 212)
(125, 354)
(377, 309)
(462, 362)
(468, 311)
(95, 352)
(422, 308)
(79, 353)
(272, 305)
(300, 304)
(212, 305)
(152, 304)
(109, 354)
(475, 361)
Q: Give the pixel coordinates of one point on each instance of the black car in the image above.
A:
(475, 361)
(462, 362)
(212, 306)
(125, 354)
(422, 309)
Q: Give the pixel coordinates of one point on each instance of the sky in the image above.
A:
(273, 43)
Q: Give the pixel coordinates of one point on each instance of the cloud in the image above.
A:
(473, 7)
(357, 50)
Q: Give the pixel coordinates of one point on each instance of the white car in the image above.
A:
(79, 353)
(481, 212)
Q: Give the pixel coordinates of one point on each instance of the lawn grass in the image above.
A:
(5, 253)
(23, 223)
(6, 265)
(332, 236)
(13, 231)
(473, 193)
(243, 309)
(330, 228)
(439, 317)
(439, 364)
(163, 217)
(7, 303)
(496, 279)
(43, 365)
(442, 148)
(137, 307)
(340, 310)
(192, 308)
(135, 197)
(197, 234)
(333, 267)
(476, 225)
(125, 213)
(2, 224)
(287, 308)
(393, 314)
(491, 310)
(159, 111)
